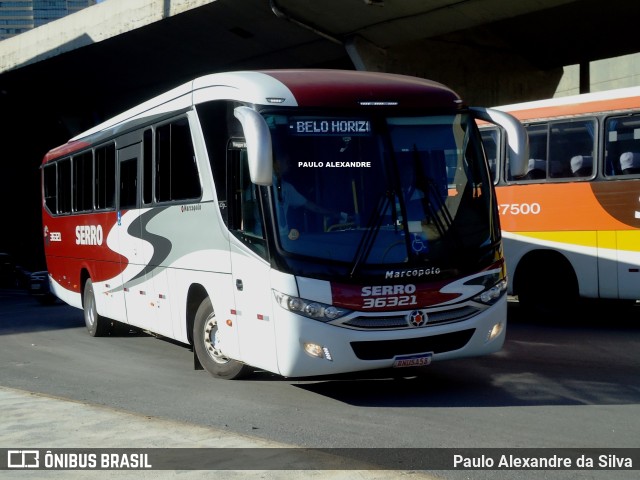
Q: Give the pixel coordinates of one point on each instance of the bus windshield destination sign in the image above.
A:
(329, 126)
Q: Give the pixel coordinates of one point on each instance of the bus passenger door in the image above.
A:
(250, 268)
(131, 245)
(608, 264)
(627, 242)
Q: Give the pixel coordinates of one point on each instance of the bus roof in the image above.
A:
(346, 89)
(606, 101)
(302, 88)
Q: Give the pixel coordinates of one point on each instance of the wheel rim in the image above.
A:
(90, 312)
(212, 341)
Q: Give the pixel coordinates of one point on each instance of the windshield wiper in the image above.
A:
(437, 210)
(372, 229)
(440, 216)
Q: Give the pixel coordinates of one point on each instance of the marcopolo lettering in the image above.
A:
(89, 235)
(419, 272)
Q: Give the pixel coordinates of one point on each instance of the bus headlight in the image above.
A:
(491, 295)
(308, 308)
(494, 284)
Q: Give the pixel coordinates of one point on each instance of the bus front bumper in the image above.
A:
(307, 347)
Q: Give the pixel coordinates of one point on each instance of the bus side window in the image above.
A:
(176, 170)
(128, 184)
(82, 181)
(571, 147)
(49, 186)
(218, 125)
(623, 145)
(537, 168)
(105, 177)
(490, 142)
(64, 186)
(245, 221)
(147, 167)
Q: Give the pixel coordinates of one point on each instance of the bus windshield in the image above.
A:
(375, 190)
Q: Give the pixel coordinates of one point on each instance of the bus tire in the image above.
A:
(205, 328)
(97, 325)
(547, 296)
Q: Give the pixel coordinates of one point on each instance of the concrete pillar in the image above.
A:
(365, 55)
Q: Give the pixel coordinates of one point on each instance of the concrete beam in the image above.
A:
(90, 25)
(481, 76)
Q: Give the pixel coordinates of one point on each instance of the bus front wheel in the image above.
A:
(547, 286)
(206, 342)
(97, 325)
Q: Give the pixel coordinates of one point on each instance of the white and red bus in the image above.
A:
(298, 222)
(571, 225)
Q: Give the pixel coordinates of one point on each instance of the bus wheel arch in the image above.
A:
(97, 325)
(206, 348)
(546, 283)
(196, 295)
(84, 276)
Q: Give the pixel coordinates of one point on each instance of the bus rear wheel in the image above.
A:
(97, 325)
(206, 342)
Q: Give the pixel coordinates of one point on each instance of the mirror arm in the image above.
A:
(258, 138)
(517, 138)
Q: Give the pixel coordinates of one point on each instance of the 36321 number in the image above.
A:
(390, 302)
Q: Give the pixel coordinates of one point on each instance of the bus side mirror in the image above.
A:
(258, 139)
(517, 138)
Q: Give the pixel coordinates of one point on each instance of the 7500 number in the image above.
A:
(520, 208)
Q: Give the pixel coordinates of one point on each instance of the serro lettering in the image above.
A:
(381, 290)
(89, 235)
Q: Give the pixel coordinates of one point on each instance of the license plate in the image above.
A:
(417, 360)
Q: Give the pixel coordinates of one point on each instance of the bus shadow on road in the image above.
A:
(464, 385)
(592, 360)
(20, 313)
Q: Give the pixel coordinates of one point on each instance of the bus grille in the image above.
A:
(439, 317)
(388, 349)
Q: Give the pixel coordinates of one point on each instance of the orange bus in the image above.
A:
(571, 225)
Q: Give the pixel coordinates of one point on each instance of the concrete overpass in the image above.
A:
(64, 77)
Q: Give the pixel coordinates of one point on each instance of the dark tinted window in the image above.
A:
(105, 177)
(64, 186)
(49, 185)
(147, 167)
(128, 184)
(176, 170)
(83, 182)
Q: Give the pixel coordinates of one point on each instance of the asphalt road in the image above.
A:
(558, 383)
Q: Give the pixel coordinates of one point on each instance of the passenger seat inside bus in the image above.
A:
(537, 169)
(582, 165)
(630, 163)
